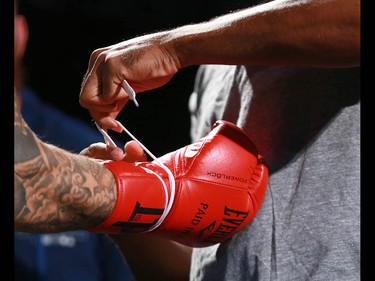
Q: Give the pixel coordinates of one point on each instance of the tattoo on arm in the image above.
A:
(55, 190)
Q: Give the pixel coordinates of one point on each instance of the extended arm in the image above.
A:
(55, 190)
(312, 33)
(187, 196)
(282, 32)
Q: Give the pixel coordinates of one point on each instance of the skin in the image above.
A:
(294, 33)
(306, 33)
(142, 252)
(55, 190)
(324, 33)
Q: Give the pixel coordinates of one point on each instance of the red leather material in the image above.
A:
(220, 184)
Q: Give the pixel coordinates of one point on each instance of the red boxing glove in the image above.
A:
(199, 195)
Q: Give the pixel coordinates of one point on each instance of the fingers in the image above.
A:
(101, 90)
(113, 74)
(134, 152)
(106, 120)
(103, 152)
(94, 56)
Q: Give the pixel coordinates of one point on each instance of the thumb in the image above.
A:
(134, 152)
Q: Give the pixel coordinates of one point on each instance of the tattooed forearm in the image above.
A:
(55, 190)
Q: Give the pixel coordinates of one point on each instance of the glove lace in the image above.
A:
(168, 199)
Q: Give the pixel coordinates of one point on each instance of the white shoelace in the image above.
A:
(168, 199)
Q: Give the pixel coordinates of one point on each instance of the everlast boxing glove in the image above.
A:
(199, 195)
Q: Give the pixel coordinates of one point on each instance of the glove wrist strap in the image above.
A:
(169, 197)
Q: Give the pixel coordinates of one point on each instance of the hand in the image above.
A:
(145, 63)
(133, 152)
(198, 195)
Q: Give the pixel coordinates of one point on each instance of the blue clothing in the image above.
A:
(56, 127)
(73, 255)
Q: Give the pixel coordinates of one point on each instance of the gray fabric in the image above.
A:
(306, 122)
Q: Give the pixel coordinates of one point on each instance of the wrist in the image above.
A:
(184, 44)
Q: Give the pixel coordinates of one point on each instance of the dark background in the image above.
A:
(63, 33)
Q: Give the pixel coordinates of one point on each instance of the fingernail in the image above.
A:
(117, 154)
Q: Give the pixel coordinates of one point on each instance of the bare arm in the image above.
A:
(311, 33)
(55, 190)
(150, 257)
(324, 33)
